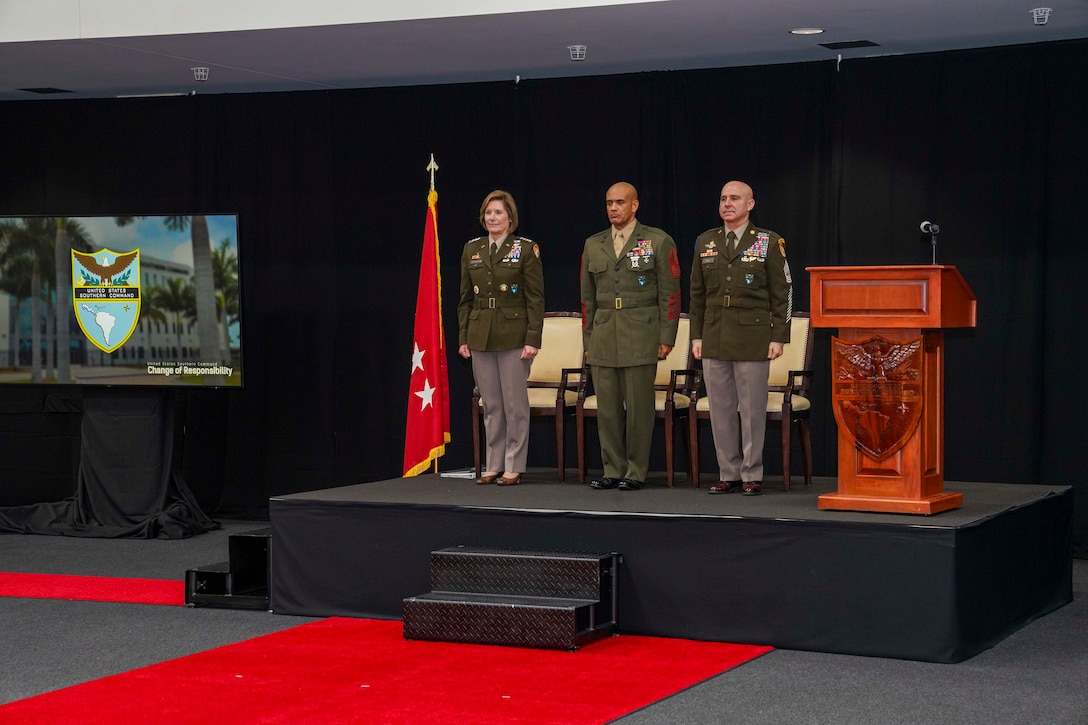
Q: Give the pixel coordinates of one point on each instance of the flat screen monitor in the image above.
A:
(121, 300)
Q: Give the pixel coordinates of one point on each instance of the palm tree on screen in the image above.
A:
(227, 298)
(37, 246)
(203, 280)
(174, 298)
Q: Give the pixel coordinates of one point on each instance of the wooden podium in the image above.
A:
(887, 378)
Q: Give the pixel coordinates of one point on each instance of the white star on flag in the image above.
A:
(426, 394)
(417, 358)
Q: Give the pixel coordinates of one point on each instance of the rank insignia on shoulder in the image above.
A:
(782, 246)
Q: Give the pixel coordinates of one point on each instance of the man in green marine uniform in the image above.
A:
(741, 304)
(630, 283)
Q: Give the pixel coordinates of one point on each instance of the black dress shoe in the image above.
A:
(630, 484)
(604, 482)
(725, 487)
(751, 488)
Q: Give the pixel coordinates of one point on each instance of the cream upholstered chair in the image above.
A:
(787, 399)
(553, 382)
(672, 393)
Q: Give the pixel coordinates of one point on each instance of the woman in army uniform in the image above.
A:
(500, 318)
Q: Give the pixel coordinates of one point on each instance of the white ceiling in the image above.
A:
(665, 35)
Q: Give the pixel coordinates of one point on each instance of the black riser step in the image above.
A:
(215, 586)
(530, 573)
(242, 582)
(515, 621)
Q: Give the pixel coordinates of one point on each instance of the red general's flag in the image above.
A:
(428, 429)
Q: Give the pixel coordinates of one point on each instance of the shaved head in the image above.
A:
(735, 203)
(621, 203)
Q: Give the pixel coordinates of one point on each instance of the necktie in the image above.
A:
(730, 244)
(494, 249)
(617, 244)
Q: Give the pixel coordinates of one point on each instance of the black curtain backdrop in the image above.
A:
(845, 160)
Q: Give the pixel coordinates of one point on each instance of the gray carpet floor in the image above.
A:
(1037, 675)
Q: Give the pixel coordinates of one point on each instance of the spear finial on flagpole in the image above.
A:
(432, 167)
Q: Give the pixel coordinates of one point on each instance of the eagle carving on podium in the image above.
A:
(876, 395)
(876, 359)
(107, 272)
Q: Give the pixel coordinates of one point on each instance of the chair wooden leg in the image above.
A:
(687, 446)
(668, 448)
(806, 449)
(786, 453)
(559, 443)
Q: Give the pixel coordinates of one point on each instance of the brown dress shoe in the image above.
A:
(752, 488)
(487, 478)
(725, 487)
(511, 481)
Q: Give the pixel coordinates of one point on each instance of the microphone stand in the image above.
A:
(933, 244)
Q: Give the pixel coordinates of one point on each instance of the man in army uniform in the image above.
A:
(630, 282)
(741, 302)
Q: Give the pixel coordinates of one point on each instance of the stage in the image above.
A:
(771, 569)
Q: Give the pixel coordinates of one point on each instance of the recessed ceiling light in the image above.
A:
(806, 31)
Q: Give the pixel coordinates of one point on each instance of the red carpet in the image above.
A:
(92, 588)
(363, 671)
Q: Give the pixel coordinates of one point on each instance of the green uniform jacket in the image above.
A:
(740, 305)
(502, 302)
(630, 305)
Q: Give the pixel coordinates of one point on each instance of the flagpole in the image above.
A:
(427, 429)
(433, 167)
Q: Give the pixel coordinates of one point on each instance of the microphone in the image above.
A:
(929, 228)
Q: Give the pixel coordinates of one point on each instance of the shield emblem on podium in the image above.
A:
(877, 392)
(106, 296)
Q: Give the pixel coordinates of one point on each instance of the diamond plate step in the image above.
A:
(549, 599)
(516, 621)
(531, 573)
